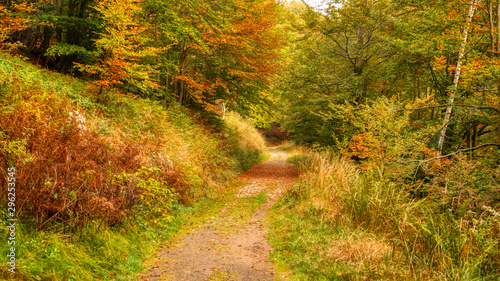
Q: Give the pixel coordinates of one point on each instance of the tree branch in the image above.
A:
(458, 105)
(455, 153)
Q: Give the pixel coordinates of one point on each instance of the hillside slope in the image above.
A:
(96, 178)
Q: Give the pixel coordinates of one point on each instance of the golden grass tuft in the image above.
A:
(359, 250)
(249, 137)
(328, 176)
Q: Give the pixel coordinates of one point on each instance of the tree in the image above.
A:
(121, 46)
(461, 54)
(217, 50)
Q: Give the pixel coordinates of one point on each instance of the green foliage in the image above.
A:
(157, 197)
(381, 137)
(13, 150)
(64, 49)
(121, 46)
(246, 142)
(371, 81)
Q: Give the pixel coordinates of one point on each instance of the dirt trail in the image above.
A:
(231, 245)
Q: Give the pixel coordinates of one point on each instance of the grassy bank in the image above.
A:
(100, 180)
(343, 223)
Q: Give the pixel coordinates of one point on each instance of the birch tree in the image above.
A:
(456, 78)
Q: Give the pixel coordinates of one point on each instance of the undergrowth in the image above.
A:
(346, 221)
(97, 179)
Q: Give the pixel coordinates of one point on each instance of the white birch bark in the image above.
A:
(453, 91)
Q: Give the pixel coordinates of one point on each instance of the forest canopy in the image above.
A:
(195, 52)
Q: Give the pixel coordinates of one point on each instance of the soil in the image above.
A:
(231, 245)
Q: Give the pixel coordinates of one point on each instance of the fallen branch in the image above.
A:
(455, 153)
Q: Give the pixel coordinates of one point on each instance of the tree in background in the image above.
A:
(121, 47)
(354, 53)
(196, 52)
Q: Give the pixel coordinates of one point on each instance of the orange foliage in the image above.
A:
(70, 173)
(10, 21)
(245, 48)
(121, 45)
(362, 147)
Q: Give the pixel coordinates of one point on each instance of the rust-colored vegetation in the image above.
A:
(75, 164)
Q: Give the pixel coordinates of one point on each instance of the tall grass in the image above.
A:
(405, 237)
(250, 138)
(247, 143)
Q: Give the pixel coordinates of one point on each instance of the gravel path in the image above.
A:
(229, 246)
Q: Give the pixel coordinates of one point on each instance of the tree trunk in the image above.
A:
(181, 91)
(498, 27)
(47, 34)
(469, 135)
(182, 70)
(474, 140)
(156, 32)
(59, 12)
(469, 139)
(451, 99)
(492, 36)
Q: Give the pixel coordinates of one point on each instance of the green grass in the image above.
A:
(296, 159)
(297, 241)
(100, 252)
(92, 252)
(308, 248)
(259, 198)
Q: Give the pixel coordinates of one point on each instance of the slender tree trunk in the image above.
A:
(182, 69)
(451, 99)
(176, 83)
(181, 95)
(498, 27)
(47, 34)
(427, 94)
(492, 24)
(156, 31)
(419, 96)
(474, 140)
(468, 135)
(358, 69)
(59, 12)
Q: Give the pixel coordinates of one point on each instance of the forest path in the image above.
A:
(231, 245)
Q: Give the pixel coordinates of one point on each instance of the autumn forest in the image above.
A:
(125, 124)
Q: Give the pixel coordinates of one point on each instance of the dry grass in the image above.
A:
(293, 150)
(250, 138)
(328, 176)
(364, 250)
(427, 241)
